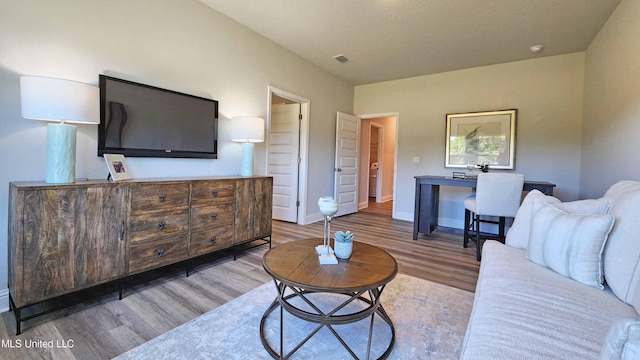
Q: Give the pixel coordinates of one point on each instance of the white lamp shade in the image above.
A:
(247, 129)
(52, 99)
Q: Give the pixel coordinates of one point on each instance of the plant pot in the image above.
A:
(342, 249)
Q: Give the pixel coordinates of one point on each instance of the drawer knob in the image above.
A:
(161, 225)
(214, 193)
(160, 252)
(213, 217)
(161, 197)
(213, 239)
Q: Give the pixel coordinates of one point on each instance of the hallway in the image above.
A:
(384, 208)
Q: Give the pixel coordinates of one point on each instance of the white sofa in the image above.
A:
(523, 310)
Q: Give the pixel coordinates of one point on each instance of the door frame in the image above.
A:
(395, 152)
(303, 168)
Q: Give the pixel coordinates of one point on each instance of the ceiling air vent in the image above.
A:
(341, 58)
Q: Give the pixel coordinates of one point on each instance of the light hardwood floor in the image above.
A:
(385, 208)
(103, 327)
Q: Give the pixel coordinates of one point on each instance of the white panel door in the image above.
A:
(346, 169)
(284, 140)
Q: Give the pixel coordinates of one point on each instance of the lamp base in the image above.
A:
(61, 154)
(247, 159)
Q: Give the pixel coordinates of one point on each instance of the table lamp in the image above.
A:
(61, 101)
(247, 130)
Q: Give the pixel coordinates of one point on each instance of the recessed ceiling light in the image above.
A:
(536, 49)
(341, 58)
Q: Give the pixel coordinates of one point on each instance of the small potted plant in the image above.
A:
(343, 244)
(483, 167)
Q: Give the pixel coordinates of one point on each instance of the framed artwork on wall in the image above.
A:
(481, 138)
(118, 168)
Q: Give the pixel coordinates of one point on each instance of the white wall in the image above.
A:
(182, 45)
(547, 93)
(610, 145)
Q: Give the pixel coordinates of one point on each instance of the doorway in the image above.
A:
(288, 128)
(377, 163)
(376, 141)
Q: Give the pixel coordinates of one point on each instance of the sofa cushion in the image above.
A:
(569, 244)
(524, 311)
(623, 341)
(518, 234)
(622, 252)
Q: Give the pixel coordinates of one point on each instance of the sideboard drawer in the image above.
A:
(158, 224)
(156, 253)
(212, 216)
(206, 241)
(145, 197)
(207, 192)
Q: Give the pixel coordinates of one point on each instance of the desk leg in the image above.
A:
(426, 209)
(416, 211)
(433, 203)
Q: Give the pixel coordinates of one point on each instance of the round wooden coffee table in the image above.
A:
(295, 266)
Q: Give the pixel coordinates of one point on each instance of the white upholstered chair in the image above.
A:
(497, 195)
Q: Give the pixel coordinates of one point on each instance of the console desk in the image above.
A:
(425, 218)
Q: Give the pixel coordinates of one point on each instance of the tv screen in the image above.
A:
(146, 121)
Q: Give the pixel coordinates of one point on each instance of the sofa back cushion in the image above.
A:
(622, 251)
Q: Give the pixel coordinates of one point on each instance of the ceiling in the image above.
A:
(394, 39)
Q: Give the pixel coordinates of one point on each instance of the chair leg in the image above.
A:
(467, 220)
(478, 241)
(501, 227)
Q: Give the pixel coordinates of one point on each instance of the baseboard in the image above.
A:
(386, 198)
(452, 223)
(4, 300)
(314, 218)
(362, 205)
(459, 224)
(401, 215)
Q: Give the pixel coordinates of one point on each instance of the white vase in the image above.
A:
(342, 249)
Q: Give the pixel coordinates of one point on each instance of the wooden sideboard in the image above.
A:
(64, 238)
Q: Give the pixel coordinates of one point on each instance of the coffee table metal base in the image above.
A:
(326, 318)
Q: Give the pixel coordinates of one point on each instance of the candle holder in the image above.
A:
(328, 207)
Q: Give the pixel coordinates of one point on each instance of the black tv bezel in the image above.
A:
(151, 152)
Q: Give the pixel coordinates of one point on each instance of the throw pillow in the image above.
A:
(518, 234)
(569, 244)
(623, 341)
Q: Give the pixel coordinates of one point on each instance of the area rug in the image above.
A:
(430, 320)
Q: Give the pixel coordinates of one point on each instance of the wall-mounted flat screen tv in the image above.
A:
(145, 121)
